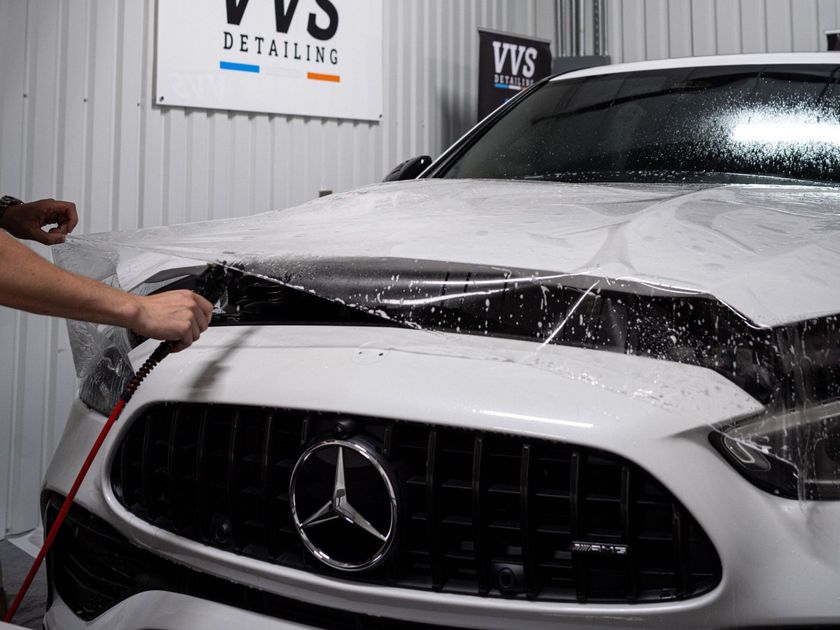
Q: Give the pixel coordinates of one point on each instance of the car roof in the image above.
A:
(711, 60)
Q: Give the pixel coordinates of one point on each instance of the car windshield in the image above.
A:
(741, 124)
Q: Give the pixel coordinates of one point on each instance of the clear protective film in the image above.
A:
(737, 282)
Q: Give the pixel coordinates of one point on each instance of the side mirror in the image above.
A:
(409, 169)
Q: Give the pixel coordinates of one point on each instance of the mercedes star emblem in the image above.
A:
(344, 505)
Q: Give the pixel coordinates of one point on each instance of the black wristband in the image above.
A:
(5, 202)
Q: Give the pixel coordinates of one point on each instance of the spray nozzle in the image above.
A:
(212, 282)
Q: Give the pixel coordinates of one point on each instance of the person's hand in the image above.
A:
(180, 316)
(25, 220)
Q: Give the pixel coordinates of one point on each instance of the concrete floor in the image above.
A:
(16, 565)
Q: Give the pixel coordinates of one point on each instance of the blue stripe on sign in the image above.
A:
(503, 86)
(241, 67)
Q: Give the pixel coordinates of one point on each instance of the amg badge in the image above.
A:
(600, 549)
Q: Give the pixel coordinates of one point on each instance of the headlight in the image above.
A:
(793, 454)
(102, 387)
(108, 347)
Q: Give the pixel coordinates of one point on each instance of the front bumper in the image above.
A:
(781, 558)
(165, 611)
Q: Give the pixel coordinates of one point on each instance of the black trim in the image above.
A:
(93, 568)
(483, 514)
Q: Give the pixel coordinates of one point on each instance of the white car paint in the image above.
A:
(429, 378)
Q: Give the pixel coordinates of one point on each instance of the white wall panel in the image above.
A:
(680, 39)
(803, 18)
(656, 16)
(659, 29)
(704, 27)
(728, 26)
(11, 141)
(77, 122)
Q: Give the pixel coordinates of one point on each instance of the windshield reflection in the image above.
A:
(742, 124)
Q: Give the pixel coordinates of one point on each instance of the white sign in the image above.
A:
(305, 57)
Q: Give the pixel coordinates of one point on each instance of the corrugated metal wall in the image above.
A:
(77, 123)
(658, 29)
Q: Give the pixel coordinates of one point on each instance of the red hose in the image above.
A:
(62, 513)
(210, 284)
(156, 357)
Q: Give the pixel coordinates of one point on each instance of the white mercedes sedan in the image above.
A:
(582, 371)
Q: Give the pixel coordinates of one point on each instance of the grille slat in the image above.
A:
(632, 585)
(432, 512)
(392, 569)
(147, 463)
(681, 553)
(265, 486)
(477, 520)
(233, 513)
(578, 561)
(528, 544)
(201, 487)
(481, 513)
(171, 477)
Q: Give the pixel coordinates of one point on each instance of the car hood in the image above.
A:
(770, 252)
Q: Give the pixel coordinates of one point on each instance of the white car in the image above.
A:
(582, 372)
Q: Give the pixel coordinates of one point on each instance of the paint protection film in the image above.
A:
(713, 305)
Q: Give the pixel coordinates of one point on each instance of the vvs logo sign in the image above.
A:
(322, 21)
(320, 58)
(284, 14)
(515, 64)
(507, 64)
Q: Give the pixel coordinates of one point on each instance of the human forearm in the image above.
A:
(30, 283)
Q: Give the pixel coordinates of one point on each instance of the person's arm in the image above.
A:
(30, 283)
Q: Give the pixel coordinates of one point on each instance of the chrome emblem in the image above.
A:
(344, 505)
(598, 549)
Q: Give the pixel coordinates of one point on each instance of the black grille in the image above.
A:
(482, 513)
(93, 567)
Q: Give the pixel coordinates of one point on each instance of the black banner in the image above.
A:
(833, 40)
(508, 64)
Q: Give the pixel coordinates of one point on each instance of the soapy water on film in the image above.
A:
(459, 302)
(615, 304)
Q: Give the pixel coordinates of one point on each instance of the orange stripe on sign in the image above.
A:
(323, 77)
